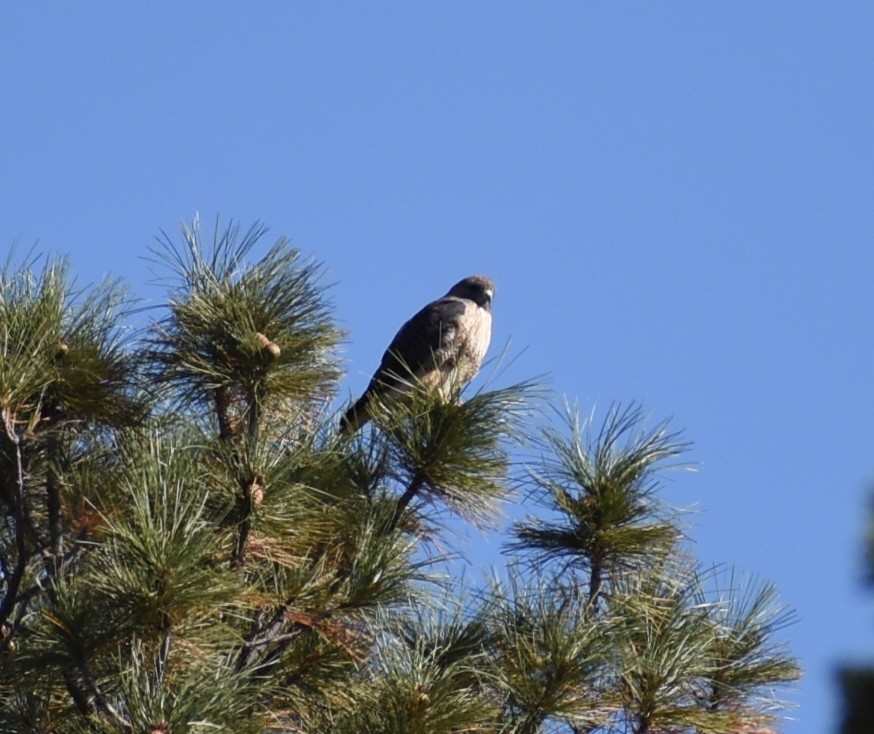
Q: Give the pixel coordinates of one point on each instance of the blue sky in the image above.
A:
(674, 199)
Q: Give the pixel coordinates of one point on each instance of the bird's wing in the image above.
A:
(423, 349)
(423, 343)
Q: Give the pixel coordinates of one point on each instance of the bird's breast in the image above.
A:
(479, 334)
(475, 333)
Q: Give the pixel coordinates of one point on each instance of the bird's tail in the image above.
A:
(355, 417)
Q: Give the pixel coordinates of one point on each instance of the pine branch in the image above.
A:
(53, 507)
(548, 653)
(20, 520)
(53, 559)
(222, 406)
(413, 488)
(454, 453)
(599, 483)
(99, 697)
(164, 650)
(80, 699)
(221, 310)
(253, 431)
(260, 635)
(275, 638)
(242, 542)
(596, 574)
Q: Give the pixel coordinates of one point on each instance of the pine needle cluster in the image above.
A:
(188, 545)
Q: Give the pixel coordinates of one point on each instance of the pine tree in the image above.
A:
(188, 545)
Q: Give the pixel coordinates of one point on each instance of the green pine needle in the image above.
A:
(454, 452)
(222, 310)
(599, 486)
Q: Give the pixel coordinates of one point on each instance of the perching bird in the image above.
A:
(444, 344)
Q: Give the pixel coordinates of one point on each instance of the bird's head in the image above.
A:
(476, 288)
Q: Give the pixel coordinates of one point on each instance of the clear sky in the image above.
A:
(675, 200)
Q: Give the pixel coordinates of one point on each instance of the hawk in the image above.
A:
(444, 344)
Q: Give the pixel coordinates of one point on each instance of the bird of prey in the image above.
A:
(442, 346)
